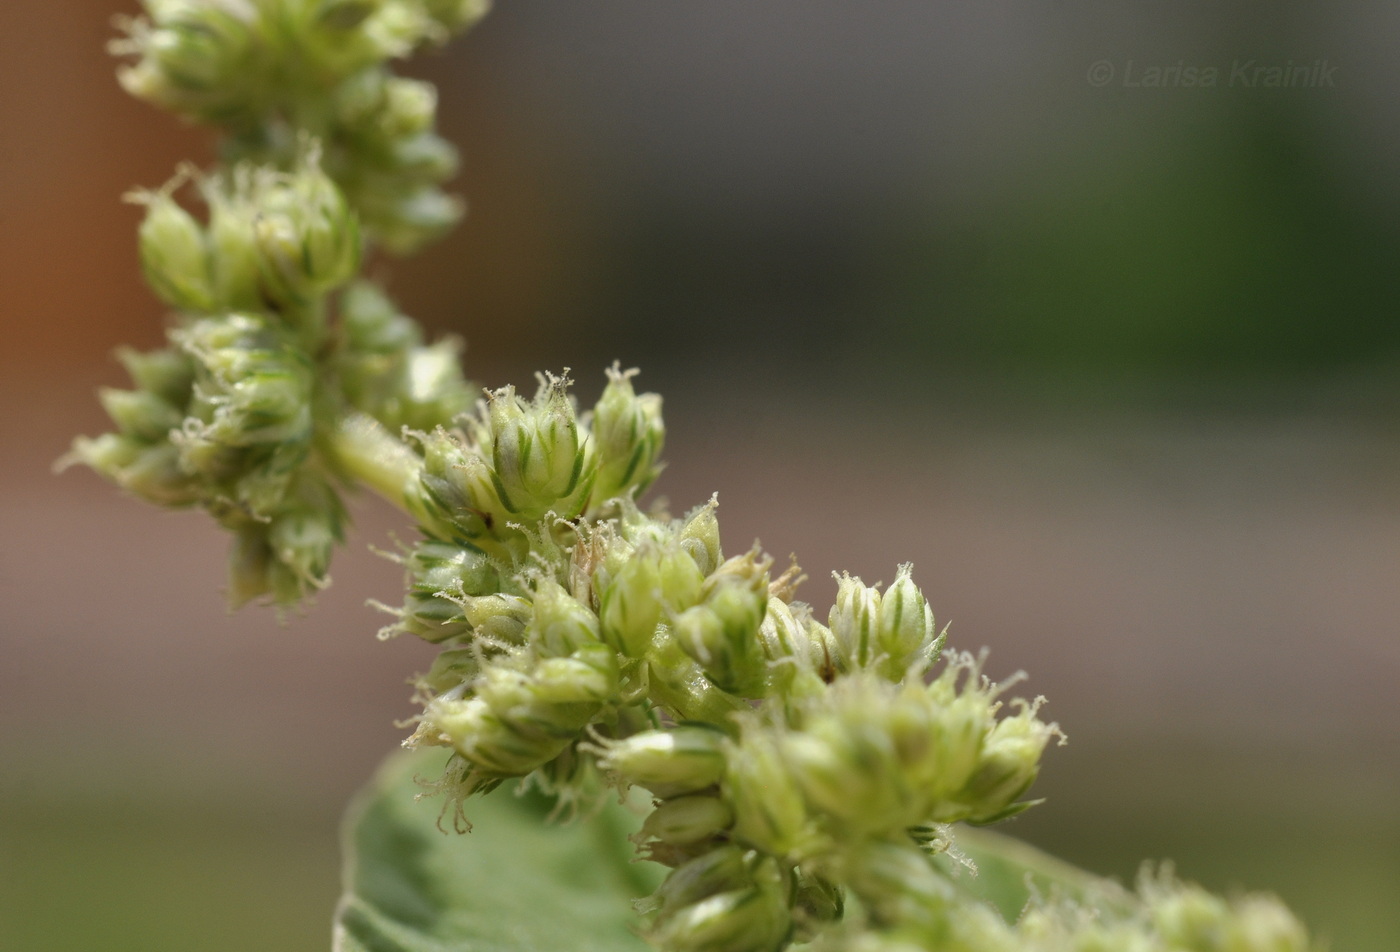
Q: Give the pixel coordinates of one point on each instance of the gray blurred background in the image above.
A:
(1114, 365)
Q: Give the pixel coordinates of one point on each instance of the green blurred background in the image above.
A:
(1114, 366)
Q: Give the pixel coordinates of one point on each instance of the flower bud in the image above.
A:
(451, 669)
(747, 920)
(816, 902)
(443, 567)
(453, 498)
(700, 537)
(286, 558)
(167, 373)
(233, 251)
(651, 581)
(537, 457)
(561, 624)
(590, 674)
(855, 620)
(197, 56)
(174, 254)
(628, 435)
(1009, 764)
(493, 747)
(907, 634)
(721, 634)
(721, 869)
(669, 763)
(770, 813)
(140, 414)
(686, 820)
(306, 235)
(497, 619)
(407, 109)
(150, 471)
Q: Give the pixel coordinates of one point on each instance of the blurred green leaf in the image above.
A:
(1007, 870)
(517, 883)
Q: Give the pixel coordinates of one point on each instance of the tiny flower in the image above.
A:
(770, 812)
(669, 762)
(722, 634)
(561, 624)
(437, 571)
(140, 413)
(906, 634)
(685, 820)
(150, 471)
(168, 373)
(195, 56)
(1009, 763)
(700, 537)
(306, 235)
(746, 920)
(174, 254)
(628, 434)
(721, 869)
(855, 620)
(497, 619)
(653, 580)
(538, 455)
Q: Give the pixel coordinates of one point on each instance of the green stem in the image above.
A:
(365, 450)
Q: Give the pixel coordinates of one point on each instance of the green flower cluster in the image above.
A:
(272, 71)
(804, 777)
(275, 348)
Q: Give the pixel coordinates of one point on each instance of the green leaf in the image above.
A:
(517, 883)
(1008, 870)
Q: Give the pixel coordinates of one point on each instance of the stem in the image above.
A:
(363, 448)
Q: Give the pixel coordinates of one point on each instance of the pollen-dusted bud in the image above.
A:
(561, 624)
(174, 254)
(628, 433)
(306, 234)
(855, 620)
(907, 635)
(685, 820)
(671, 762)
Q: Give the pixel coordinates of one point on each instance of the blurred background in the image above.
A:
(1115, 364)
